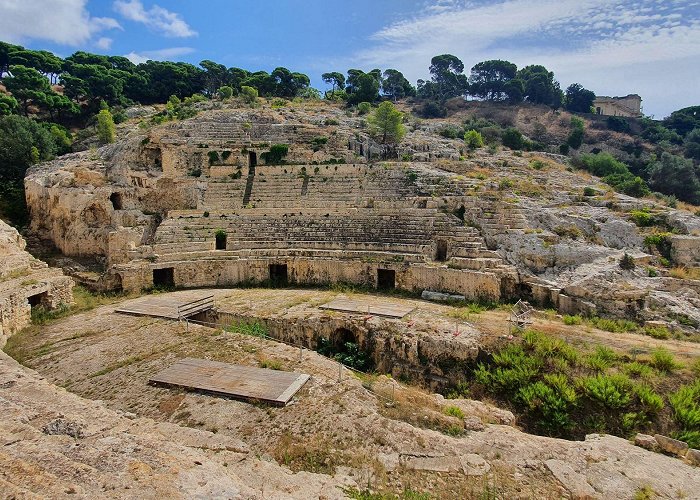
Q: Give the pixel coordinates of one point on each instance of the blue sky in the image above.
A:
(614, 47)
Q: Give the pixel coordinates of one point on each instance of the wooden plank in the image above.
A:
(169, 306)
(374, 308)
(236, 381)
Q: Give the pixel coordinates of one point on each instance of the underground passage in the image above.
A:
(278, 274)
(164, 277)
(386, 279)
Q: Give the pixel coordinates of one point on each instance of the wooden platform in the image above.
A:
(171, 306)
(236, 381)
(374, 308)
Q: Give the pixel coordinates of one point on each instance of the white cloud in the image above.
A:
(611, 46)
(104, 43)
(156, 18)
(65, 22)
(158, 55)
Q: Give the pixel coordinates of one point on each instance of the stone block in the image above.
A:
(670, 445)
(646, 441)
(693, 456)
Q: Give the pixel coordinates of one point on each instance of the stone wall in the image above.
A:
(474, 285)
(24, 279)
(629, 106)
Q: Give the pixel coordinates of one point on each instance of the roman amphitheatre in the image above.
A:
(284, 237)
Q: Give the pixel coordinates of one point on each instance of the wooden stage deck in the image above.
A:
(171, 306)
(374, 308)
(240, 382)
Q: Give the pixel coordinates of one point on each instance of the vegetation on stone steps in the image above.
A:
(559, 390)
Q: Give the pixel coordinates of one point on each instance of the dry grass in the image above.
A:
(685, 273)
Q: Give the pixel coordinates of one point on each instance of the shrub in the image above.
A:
(588, 191)
(618, 124)
(685, 406)
(537, 164)
(449, 132)
(613, 325)
(610, 391)
(433, 109)
(643, 218)
(627, 262)
(105, 127)
(225, 92)
(473, 140)
(512, 138)
(660, 241)
(276, 154)
(213, 157)
(249, 94)
(505, 184)
(663, 360)
(637, 370)
(657, 332)
(453, 411)
(649, 400)
(572, 320)
(363, 108)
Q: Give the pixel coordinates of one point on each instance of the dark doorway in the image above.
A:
(252, 159)
(220, 240)
(164, 277)
(386, 279)
(441, 251)
(40, 299)
(341, 337)
(278, 274)
(116, 199)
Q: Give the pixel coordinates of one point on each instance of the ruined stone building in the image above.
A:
(628, 106)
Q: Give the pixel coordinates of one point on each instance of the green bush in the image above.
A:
(660, 241)
(643, 218)
(588, 191)
(572, 320)
(363, 108)
(276, 154)
(636, 369)
(225, 92)
(249, 94)
(453, 411)
(610, 391)
(614, 325)
(473, 140)
(685, 406)
(512, 138)
(649, 400)
(106, 130)
(663, 360)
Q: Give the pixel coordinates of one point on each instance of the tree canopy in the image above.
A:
(578, 99)
(495, 80)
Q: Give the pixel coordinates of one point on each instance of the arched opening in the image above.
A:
(343, 346)
(341, 337)
(116, 199)
(441, 251)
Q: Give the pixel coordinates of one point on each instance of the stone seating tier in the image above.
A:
(401, 231)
